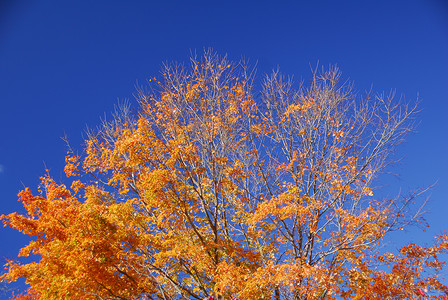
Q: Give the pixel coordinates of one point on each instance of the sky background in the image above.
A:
(65, 64)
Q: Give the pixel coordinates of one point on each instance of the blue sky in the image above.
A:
(65, 64)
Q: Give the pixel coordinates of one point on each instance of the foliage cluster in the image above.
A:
(211, 189)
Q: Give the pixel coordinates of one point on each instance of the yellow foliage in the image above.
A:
(209, 191)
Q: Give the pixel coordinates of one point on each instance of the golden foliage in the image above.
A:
(207, 192)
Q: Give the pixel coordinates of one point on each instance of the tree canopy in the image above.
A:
(217, 188)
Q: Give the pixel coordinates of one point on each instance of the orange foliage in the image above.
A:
(207, 192)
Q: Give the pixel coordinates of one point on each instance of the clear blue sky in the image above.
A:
(64, 64)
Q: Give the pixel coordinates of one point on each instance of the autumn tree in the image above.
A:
(214, 189)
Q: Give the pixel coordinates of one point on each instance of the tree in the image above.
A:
(214, 190)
